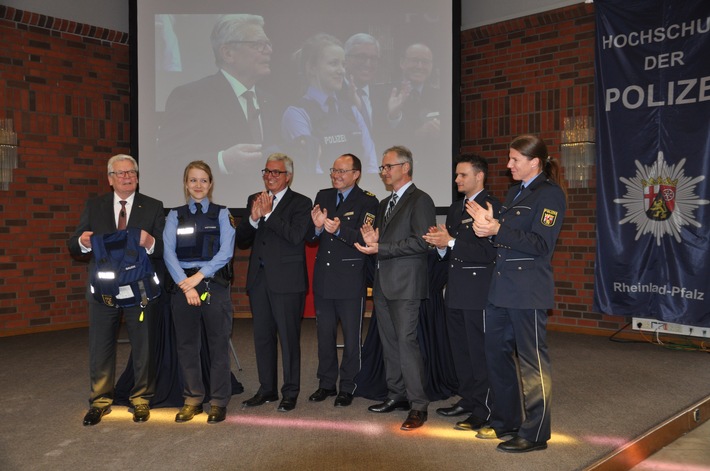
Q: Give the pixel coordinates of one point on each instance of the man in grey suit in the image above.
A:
(401, 282)
(121, 208)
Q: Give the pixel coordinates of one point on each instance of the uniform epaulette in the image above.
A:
(369, 194)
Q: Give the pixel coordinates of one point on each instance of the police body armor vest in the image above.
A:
(198, 239)
(123, 275)
(332, 134)
(197, 234)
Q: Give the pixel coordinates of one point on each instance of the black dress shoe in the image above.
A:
(487, 433)
(217, 414)
(473, 423)
(259, 400)
(520, 445)
(343, 400)
(287, 404)
(188, 412)
(322, 394)
(94, 415)
(415, 419)
(141, 413)
(389, 405)
(452, 411)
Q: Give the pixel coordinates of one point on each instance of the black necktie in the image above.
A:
(253, 117)
(340, 200)
(522, 187)
(122, 216)
(365, 106)
(393, 202)
(330, 104)
(198, 208)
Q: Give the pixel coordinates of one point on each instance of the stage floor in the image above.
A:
(605, 394)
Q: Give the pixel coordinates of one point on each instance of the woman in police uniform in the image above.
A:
(199, 245)
(320, 125)
(522, 290)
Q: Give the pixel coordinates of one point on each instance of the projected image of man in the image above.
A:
(413, 106)
(225, 119)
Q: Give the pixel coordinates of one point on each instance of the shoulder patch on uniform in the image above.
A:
(549, 217)
(232, 221)
(369, 194)
(369, 219)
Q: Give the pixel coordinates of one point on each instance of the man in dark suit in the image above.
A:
(401, 282)
(224, 119)
(339, 276)
(362, 57)
(471, 260)
(277, 279)
(413, 107)
(103, 215)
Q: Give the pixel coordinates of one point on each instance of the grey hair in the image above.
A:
(278, 157)
(231, 28)
(119, 158)
(360, 38)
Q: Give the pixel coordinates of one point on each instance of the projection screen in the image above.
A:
(192, 63)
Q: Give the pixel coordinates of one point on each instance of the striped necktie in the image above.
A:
(390, 207)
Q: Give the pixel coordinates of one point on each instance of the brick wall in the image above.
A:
(525, 76)
(66, 85)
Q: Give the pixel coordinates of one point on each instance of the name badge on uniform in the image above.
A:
(549, 217)
(467, 221)
(349, 213)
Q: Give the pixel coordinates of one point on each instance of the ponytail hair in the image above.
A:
(532, 146)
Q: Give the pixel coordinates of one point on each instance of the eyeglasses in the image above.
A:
(388, 167)
(124, 173)
(363, 58)
(259, 46)
(275, 173)
(340, 171)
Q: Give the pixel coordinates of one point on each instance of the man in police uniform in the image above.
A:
(339, 277)
(103, 215)
(471, 260)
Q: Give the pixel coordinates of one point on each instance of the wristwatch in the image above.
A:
(451, 243)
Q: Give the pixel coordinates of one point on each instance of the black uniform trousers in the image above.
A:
(104, 324)
(397, 322)
(466, 329)
(349, 313)
(216, 319)
(523, 330)
(272, 314)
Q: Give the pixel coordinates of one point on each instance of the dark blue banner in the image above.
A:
(653, 144)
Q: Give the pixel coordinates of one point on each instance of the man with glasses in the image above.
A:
(275, 227)
(224, 119)
(401, 283)
(339, 277)
(121, 208)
